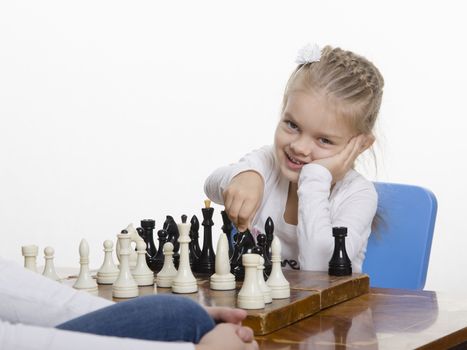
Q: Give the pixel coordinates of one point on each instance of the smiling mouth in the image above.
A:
(293, 160)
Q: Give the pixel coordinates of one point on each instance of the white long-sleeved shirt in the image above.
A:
(352, 204)
(31, 305)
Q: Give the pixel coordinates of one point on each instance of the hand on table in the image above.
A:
(225, 336)
(233, 316)
(242, 198)
(340, 163)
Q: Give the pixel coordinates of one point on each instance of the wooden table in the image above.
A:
(378, 319)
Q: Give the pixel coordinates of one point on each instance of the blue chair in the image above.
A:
(398, 251)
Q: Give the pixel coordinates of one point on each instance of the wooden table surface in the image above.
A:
(381, 319)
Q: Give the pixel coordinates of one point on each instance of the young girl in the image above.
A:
(306, 182)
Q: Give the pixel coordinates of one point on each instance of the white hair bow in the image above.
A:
(309, 53)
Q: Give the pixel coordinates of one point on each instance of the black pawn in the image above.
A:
(262, 244)
(227, 229)
(194, 249)
(157, 261)
(245, 244)
(340, 264)
(269, 230)
(172, 236)
(147, 233)
(207, 260)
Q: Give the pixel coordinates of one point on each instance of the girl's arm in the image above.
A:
(355, 206)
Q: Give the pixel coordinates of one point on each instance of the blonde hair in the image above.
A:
(352, 82)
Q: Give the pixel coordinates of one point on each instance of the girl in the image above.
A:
(306, 182)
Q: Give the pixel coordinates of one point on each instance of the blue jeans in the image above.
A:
(150, 317)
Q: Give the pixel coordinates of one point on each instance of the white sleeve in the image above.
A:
(355, 210)
(30, 298)
(262, 161)
(24, 337)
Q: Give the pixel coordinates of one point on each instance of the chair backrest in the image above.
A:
(398, 251)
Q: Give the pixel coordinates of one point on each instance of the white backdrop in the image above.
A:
(115, 111)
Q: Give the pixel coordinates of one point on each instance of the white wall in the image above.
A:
(114, 111)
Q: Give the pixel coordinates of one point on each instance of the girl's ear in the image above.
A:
(368, 142)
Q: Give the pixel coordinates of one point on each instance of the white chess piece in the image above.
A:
(280, 287)
(262, 284)
(30, 254)
(49, 268)
(125, 286)
(184, 281)
(168, 272)
(250, 295)
(108, 272)
(222, 279)
(134, 238)
(142, 274)
(85, 281)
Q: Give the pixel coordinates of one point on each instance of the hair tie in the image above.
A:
(308, 54)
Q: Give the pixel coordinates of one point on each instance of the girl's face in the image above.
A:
(309, 129)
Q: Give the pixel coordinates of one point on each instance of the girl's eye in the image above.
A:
(325, 141)
(291, 125)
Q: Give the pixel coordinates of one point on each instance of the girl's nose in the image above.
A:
(302, 146)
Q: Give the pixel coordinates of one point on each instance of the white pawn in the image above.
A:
(262, 284)
(30, 254)
(108, 272)
(49, 268)
(85, 281)
(222, 279)
(142, 274)
(279, 285)
(184, 281)
(168, 272)
(250, 296)
(125, 286)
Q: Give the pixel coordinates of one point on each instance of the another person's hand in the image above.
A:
(225, 336)
(242, 198)
(343, 161)
(234, 316)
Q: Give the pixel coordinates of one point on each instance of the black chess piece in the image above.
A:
(157, 261)
(147, 233)
(262, 244)
(269, 230)
(245, 244)
(207, 260)
(227, 229)
(194, 248)
(340, 264)
(172, 236)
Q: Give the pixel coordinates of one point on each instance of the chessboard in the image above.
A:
(310, 292)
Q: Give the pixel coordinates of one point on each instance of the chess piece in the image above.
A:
(134, 238)
(269, 230)
(250, 295)
(142, 274)
(108, 272)
(148, 226)
(244, 244)
(227, 228)
(264, 252)
(30, 254)
(195, 250)
(340, 264)
(85, 281)
(125, 286)
(156, 262)
(49, 268)
(267, 292)
(166, 276)
(280, 287)
(222, 279)
(172, 236)
(207, 260)
(184, 281)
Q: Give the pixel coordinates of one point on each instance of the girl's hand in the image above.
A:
(242, 198)
(225, 336)
(343, 161)
(234, 316)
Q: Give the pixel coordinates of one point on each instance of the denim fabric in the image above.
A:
(151, 317)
